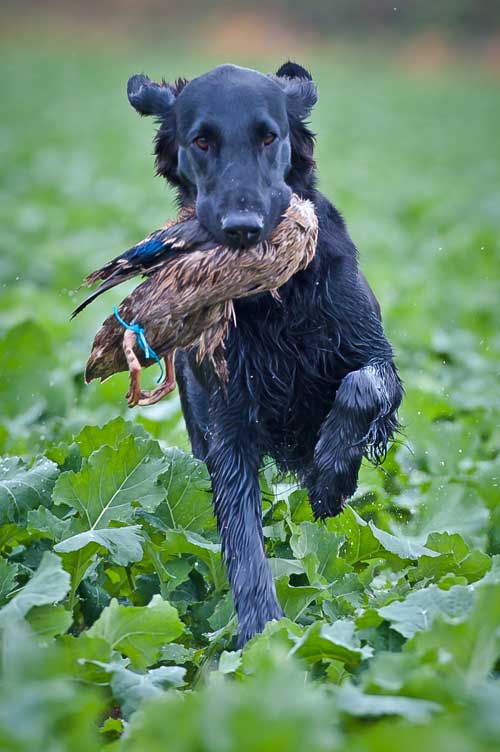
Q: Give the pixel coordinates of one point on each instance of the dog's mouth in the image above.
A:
(240, 227)
(238, 239)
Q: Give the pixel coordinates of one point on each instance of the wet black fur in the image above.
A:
(312, 384)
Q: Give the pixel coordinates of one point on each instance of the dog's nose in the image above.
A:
(242, 228)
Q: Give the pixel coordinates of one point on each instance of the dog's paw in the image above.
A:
(330, 492)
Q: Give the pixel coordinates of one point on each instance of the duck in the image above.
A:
(187, 298)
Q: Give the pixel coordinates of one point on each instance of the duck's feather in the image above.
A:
(183, 236)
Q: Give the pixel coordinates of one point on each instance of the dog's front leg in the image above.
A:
(361, 422)
(233, 463)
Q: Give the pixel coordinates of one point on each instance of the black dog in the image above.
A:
(313, 383)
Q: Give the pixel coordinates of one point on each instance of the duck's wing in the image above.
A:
(152, 252)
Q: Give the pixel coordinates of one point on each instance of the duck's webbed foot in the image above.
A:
(152, 396)
(135, 395)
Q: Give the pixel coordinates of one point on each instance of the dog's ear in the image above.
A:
(301, 90)
(302, 95)
(293, 70)
(148, 97)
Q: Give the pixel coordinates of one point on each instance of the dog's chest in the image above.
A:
(285, 361)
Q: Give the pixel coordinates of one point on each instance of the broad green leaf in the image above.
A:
(24, 487)
(175, 653)
(171, 573)
(474, 566)
(365, 541)
(352, 701)
(188, 504)
(49, 621)
(12, 535)
(471, 646)
(399, 545)
(111, 481)
(223, 613)
(271, 646)
(106, 488)
(368, 618)
(190, 543)
(295, 600)
(86, 658)
(138, 632)
(8, 578)
(454, 556)
(49, 584)
(112, 728)
(42, 520)
(282, 567)
(66, 456)
(93, 599)
(317, 548)
(337, 641)
(187, 542)
(229, 662)
(446, 543)
(388, 672)
(361, 544)
(124, 544)
(347, 591)
(92, 438)
(449, 580)
(77, 564)
(276, 531)
(418, 611)
(300, 508)
(130, 688)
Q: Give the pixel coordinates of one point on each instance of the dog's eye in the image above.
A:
(269, 138)
(202, 143)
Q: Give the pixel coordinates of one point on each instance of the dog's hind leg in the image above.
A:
(361, 422)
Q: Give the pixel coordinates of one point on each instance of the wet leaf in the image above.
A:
(138, 632)
(124, 544)
(337, 641)
(418, 611)
(24, 487)
(49, 585)
(353, 701)
(111, 481)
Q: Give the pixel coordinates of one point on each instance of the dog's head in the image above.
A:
(234, 142)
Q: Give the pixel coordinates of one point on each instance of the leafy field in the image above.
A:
(117, 626)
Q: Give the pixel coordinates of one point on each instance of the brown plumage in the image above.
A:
(187, 300)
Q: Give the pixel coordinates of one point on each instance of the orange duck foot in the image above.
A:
(136, 395)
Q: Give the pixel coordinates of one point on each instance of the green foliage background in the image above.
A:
(116, 620)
